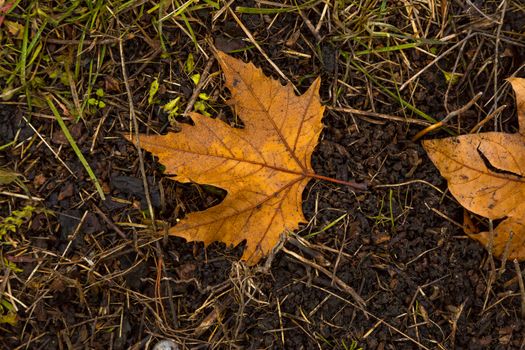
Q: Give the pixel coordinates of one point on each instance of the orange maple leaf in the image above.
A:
(486, 174)
(264, 167)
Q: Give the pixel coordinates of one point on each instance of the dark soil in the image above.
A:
(85, 284)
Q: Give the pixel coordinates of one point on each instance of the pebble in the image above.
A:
(166, 345)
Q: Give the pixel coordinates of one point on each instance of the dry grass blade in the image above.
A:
(522, 287)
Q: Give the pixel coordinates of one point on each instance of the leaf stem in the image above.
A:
(356, 186)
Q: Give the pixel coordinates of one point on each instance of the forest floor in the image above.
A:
(81, 272)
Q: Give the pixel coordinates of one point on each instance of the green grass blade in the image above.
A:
(396, 97)
(269, 10)
(73, 144)
(388, 49)
(328, 226)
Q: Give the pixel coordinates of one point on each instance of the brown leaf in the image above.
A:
(486, 174)
(263, 167)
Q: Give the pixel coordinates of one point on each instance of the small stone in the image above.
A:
(166, 344)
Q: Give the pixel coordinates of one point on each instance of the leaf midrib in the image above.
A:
(303, 174)
(265, 112)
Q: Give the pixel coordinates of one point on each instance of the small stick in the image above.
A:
(280, 320)
(310, 26)
(340, 283)
(3, 282)
(22, 196)
(455, 319)
(415, 76)
(512, 280)
(109, 222)
(379, 115)
(49, 147)
(135, 130)
(486, 119)
(256, 44)
(323, 14)
(496, 56)
(72, 237)
(447, 118)
(505, 254)
(199, 86)
(492, 273)
(522, 287)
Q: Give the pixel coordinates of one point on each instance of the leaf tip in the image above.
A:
(225, 60)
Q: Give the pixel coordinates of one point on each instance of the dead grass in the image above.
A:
(83, 272)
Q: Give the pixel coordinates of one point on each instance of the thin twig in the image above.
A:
(522, 287)
(22, 196)
(256, 44)
(434, 61)
(50, 148)
(496, 59)
(452, 114)
(71, 238)
(379, 115)
(492, 273)
(5, 278)
(133, 117)
(310, 26)
(463, 108)
(340, 283)
(109, 222)
(505, 254)
(199, 86)
(479, 125)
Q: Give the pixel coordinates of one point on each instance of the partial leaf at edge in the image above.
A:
(482, 190)
(509, 238)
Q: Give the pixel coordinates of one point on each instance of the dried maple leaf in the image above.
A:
(486, 174)
(264, 167)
